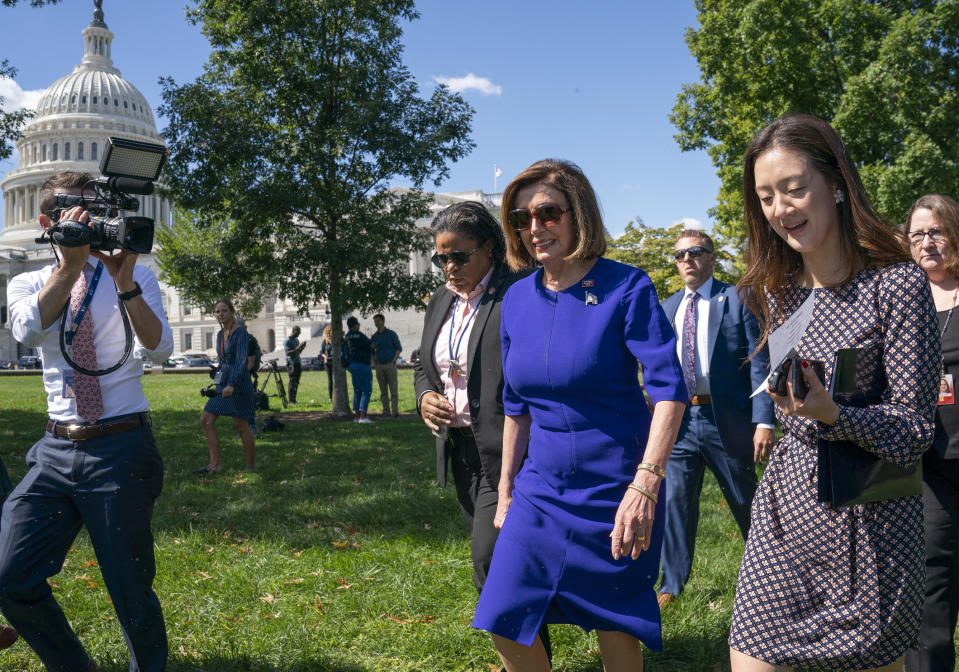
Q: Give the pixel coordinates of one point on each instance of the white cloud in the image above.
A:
(688, 223)
(471, 81)
(15, 98)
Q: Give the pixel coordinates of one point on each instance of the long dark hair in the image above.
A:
(866, 240)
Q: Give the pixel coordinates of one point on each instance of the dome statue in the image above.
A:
(74, 117)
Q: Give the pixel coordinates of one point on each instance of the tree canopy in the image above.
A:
(10, 122)
(283, 151)
(885, 73)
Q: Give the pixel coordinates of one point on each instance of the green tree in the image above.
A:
(10, 122)
(885, 73)
(283, 151)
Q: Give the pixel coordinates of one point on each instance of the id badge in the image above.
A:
(947, 391)
(67, 392)
(217, 377)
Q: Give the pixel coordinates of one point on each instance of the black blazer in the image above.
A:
(484, 384)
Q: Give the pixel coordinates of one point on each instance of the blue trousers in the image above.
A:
(362, 376)
(698, 447)
(108, 484)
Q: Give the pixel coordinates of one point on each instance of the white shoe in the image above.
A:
(365, 421)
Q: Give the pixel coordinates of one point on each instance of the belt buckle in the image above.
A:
(74, 432)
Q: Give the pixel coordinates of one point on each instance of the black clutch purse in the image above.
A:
(848, 473)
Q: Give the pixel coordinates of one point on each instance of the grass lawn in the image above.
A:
(341, 553)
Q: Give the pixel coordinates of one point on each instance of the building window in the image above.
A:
(66, 151)
(125, 105)
(56, 152)
(79, 151)
(271, 340)
(93, 151)
(165, 303)
(187, 341)
(84, 99)
(208, 340)
(186, 307)
(116, 103)
(96, 99)
(44, 152)
(33, 206)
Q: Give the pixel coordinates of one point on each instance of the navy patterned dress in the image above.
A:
(233, 372)
(570, 362)
(841, 588)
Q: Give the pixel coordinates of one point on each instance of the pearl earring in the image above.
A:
(839, 196)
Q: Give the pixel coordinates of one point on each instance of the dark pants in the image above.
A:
(329, 378)
(478, 499)
(294, 370)
(698, 447)
(940, 499)
(108, 484)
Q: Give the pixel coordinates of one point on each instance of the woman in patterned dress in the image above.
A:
(826, 588)
(234, 389)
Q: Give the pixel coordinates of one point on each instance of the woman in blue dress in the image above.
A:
(581, 522)
(234, 389)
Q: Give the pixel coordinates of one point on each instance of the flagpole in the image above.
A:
(494, 178)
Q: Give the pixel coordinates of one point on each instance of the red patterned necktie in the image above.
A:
(689, 345)
(85, 388)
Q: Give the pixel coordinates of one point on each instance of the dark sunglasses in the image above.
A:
(547, 214)
(695, 251)
(459, 258)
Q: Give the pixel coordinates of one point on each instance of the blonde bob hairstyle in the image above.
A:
(946, 213)
(567, 178)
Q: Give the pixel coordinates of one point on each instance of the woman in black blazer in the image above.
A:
(459, 378)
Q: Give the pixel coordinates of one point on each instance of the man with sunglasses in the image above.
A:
(722, 428)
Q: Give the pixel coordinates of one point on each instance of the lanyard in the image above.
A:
(81, 313)
(942, 358)
(454, 354)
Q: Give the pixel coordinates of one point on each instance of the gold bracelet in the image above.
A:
(652, 468)
(644, 491)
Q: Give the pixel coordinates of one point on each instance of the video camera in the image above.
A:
(128, 167)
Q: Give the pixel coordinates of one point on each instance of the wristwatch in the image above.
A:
(126, 296)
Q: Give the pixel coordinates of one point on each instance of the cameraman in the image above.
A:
(97, 464)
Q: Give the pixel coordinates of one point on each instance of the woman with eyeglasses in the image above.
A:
(582, 516)
(459, 378)
(826, 587)
(932, 229)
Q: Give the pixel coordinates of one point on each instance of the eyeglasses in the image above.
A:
(459, 258)
(547, 214)
(935, 235)
(695, 251)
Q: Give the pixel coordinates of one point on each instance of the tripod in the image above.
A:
(273, 371)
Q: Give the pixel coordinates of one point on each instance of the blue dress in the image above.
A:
(573, 367)
(233, 372)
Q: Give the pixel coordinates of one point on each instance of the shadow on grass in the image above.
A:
(246, 664)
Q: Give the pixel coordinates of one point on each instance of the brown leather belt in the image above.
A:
(79, 432)
(700, 400)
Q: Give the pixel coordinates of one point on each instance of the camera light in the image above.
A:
(131, 158)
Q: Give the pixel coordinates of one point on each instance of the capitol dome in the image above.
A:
(69, 131)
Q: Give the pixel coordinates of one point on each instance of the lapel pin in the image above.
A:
(721, 298)
(587, 283)
(591, 299)
(491, 290)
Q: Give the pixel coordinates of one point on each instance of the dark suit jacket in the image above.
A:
(733, 334)
(484, 385)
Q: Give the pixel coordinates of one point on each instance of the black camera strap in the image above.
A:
(66, 337)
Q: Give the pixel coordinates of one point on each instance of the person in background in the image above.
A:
(581, 522)
(932, 232)
(723, 429)
(825, 587)
(356, 359)
(234, 389)
(294, 366)
(326, 352)
(386, 349)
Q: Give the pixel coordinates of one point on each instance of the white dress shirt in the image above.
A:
(702, 333)
(122, 391)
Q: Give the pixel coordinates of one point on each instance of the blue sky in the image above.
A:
(590, 83)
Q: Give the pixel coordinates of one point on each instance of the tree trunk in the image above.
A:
(341, 397)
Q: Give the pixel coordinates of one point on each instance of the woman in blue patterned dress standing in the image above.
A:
(234, 389)
(582, 521)
(823, 587)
